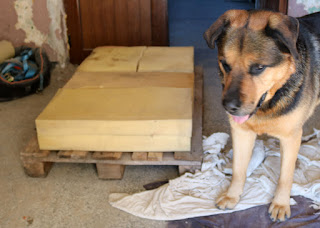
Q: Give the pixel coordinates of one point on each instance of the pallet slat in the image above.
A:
(32, 167)
(126, 159)
(72, 154)
(110, 172)
(139, 156)
(107, 155)
(32, 149)
(155, 156)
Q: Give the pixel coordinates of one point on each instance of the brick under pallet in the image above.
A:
(111, 165)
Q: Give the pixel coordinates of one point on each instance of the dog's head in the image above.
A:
(256, 53)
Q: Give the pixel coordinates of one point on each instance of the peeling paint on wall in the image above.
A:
(55, 37)
(25, 22)
(58, 30)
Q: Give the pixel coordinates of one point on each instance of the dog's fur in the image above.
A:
(270, 66)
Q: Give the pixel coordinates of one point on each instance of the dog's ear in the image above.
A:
(286, 30)
(215, 30)
(235, 18)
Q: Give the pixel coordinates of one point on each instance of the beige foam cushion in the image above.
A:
(99, 114)
(167, 59)
(119, 143)
(112, 59)
(146, 103)
(130, 79)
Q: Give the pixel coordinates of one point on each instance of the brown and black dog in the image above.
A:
(270, 66)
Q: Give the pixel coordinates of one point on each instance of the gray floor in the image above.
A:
(72, 195)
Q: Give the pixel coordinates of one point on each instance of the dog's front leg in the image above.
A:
(242, 142)
(280, 206)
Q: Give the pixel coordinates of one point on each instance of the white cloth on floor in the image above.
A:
(193, 195)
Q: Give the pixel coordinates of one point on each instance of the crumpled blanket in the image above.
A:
(193, 195)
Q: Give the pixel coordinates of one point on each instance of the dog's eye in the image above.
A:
(257, 69)
(225, 66)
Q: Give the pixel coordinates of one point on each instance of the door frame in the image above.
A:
(276, 5)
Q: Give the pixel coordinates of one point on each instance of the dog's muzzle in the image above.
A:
(241, 119)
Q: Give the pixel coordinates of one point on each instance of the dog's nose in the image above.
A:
(231, 105)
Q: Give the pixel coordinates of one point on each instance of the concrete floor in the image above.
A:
(72, 195)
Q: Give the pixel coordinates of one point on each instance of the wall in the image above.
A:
(36, 23)
(298, 8)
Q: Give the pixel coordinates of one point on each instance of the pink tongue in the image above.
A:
(240, 119)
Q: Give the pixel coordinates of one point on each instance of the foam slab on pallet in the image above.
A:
(113, 59)
(155, 114)
(122, 143)
(130, 79)
(167, 59)
(139, 58)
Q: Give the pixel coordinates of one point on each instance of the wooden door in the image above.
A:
(115, 22)
(276, 5)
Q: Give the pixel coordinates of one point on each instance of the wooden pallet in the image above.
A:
(111, 165)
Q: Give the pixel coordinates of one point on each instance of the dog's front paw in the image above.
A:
(227, 202)
(279, 211)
